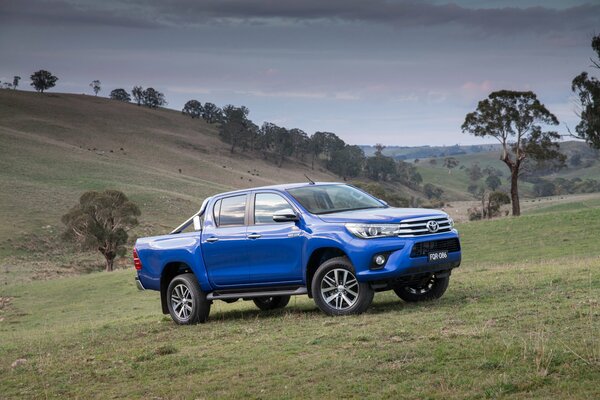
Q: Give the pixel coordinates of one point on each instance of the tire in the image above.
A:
(186, 302)
(271, 303)
(432, 289)
(336, 290)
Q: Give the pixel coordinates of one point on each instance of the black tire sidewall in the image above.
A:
(365, 293)
(437, 290)
(200, 305)
(275, 303)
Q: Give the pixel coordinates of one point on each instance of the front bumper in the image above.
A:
(400, 263)
(138, 283)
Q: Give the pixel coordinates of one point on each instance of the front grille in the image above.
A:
(418, 226)
(423, 248)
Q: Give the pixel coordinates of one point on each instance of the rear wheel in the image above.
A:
(187, 303)
(337, 291)
(429, 289)
(271, 303)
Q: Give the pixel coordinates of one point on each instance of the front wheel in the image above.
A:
(430, 289)
(271, 303)
(187, 303)
(337, 291)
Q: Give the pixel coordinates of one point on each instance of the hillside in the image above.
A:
(53, 147)
(520, 320)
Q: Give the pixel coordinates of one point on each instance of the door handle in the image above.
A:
(253, 236)
(212, 239)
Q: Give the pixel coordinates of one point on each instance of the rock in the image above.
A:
(18, 362)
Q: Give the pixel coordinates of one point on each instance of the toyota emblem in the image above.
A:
(432, 226)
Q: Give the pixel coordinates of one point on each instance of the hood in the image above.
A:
(388, 215)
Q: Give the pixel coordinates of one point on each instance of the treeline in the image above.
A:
(278, 143)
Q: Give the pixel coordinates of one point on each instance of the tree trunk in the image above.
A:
(514, 191)
(483, 206)
(109, 263)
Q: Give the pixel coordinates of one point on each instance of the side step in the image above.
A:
(256, 293)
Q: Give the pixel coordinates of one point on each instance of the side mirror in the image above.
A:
(197, 224)
(286, 215)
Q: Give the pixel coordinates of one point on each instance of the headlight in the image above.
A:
(370, 231)
(451, 221)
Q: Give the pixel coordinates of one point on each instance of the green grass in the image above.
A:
(531, 238)
(520, 320)
(589, 204)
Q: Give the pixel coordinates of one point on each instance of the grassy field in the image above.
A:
(521, 319)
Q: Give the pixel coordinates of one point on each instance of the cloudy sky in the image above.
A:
(390, 71)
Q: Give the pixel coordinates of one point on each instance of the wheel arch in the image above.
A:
(318, 257)
(170, 271)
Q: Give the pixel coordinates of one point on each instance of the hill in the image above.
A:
(520, 320)
(53, 147)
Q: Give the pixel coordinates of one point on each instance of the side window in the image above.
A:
(233, 210)
(267, 204)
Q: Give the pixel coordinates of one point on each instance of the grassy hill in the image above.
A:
(521, 319)
(54, 147)
(455, 184)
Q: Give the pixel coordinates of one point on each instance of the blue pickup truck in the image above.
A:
(330, 241)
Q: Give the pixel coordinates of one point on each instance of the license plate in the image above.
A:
(438, 256)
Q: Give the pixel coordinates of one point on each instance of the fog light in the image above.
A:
(380, 260)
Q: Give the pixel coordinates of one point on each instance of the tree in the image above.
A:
(475, 172)
(331, 144)
(496, 200)
(43, 80)
(120, 95)
(432, 191)
(514, 119)
(347, 162)
(317, 146)
(493, 182)
(95, 85)
(211, 113)
(16, 80)
(138, 94)
(380, 167)
(300, 143)
(450, 163)
(588, 92)
(379, 149)
(408, 175)
(193, 108)
(101, 221)
(234, 130)
(152, 98)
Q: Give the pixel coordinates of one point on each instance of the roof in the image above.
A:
(284, 186)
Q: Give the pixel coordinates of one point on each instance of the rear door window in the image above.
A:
(232, 211)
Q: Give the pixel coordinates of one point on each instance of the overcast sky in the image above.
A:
(395, 72)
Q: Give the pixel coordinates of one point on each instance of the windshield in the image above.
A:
(325, 199)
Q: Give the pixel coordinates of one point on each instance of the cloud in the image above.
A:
(399, 14)
(58, 12)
